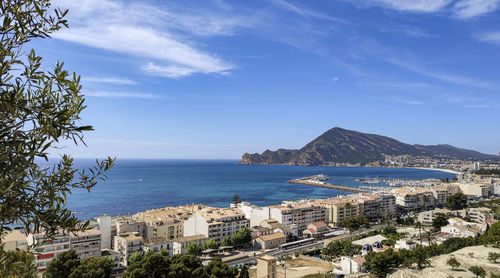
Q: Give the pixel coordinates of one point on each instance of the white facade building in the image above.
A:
(299, 214)
(104, 226)
(216, 223)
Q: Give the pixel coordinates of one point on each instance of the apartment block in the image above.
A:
(216, 223)
(180, 244)
(85, 243)
(156, 244)
(13, 240)
(299, 214)
(166, 222)
(126, 244)
(255, 214)
(126, 224)
(477, 189)
(413, 199)
(338, 209)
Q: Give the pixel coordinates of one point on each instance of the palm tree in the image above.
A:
(418, 225)
(426, 201)
(19, 264)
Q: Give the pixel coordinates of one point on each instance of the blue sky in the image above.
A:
(215, 79)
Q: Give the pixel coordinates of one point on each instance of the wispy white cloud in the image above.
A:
(305, 12)
(171, 71)
(435, 74)
(427, 6)
(490, 37)
(471, 8)
(462, 9)
(119, 94)
(144, 31)
(108, 80)
(407, 30)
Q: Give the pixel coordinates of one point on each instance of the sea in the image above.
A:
(135, 185)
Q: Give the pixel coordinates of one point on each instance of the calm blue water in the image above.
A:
(136, 185)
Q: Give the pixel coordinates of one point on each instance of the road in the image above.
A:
(277, 253)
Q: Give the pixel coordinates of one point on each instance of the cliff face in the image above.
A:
(339, 145)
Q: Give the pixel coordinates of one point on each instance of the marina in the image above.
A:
(320, 181)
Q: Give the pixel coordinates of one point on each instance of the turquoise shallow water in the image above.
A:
(135, 185)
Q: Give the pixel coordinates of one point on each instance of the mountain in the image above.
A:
(342, 146)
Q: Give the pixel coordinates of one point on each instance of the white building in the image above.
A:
(14, 240)
(216, 223)
(349, 265)
(104, 226)
(180, 244)
(127, 224)
(126, 244)
(118, 269)
(85, 243)
(156, 244)
(405, 243)
(477, 166)
(477, 189)
(300, 214)
(254, 213)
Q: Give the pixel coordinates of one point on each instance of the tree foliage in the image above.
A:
(38, 109)
(18, 264)
(227, 241)
(62, 265)
(242, 237)
(456, 201)
(210, 244)
(339, 248)
(236, 200)
(453, 262)
(380, 263)
(93, 268)
(439, 221)
(158, 265)
(354, 223)
(478, 271)
(67, 264)
(493, 257)
(193, 249)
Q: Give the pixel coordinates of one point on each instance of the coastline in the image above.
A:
(437, 169)
(356, 166)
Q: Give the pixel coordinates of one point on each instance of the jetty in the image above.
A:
(319, 180)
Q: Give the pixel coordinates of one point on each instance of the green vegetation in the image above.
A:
(193, 249)
(18, 264)
(240, 238)
(210, 244)
(38, 109)
(493, 257)
(236, 200)
(313, 252)
(244, 272)
(453, 262)
(478, 271)
(227, 241)
(493, 204)
(159, 265)
(337, 248)
(407, 221)
(495, 172)
(382, 262)
(354, 223)
(439, 221)
(67, 264)
(456, 201)
(319, 276)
